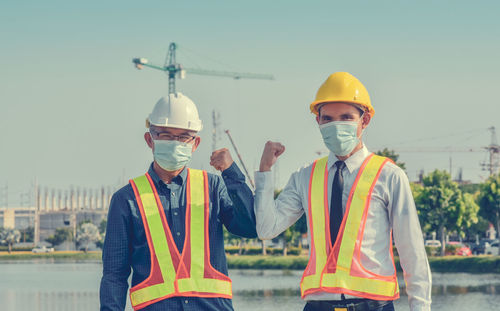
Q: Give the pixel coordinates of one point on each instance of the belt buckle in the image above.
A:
(349, 307)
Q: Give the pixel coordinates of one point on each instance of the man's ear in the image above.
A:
(317, 118)
(366, 120)
(148, 139)
(197, 142)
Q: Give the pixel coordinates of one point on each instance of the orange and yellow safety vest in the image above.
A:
(338, 269)
(173, 273)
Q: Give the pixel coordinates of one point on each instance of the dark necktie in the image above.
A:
(336, 212)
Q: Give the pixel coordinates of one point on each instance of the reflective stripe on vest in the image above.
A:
(339, 269)
(174, 274)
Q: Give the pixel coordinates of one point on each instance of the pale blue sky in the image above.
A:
(73, 106)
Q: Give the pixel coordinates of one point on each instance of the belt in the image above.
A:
(345, 305)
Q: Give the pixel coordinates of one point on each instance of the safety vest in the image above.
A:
(339, 270)
(173, 273)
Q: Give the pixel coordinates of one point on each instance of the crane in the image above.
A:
(175, 70)
(241, 160)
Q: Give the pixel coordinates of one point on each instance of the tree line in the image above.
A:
(444, 207)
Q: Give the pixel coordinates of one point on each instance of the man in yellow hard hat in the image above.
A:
(355, 203)
(166, 225)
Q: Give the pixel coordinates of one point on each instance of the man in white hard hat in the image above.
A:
(167, 224)
(354, 202)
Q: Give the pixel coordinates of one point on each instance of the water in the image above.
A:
(63, 286)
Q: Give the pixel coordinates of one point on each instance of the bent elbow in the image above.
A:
(265, 235)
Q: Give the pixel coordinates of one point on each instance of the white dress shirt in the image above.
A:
(391, 207)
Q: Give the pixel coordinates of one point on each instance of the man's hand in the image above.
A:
(221, 159)
(272, 150)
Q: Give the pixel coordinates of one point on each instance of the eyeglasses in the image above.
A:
(168, 136)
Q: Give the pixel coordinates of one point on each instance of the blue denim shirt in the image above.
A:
(126, 246)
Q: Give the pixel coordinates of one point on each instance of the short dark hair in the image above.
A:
(361, 111)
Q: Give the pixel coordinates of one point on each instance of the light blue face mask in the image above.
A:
(340, 137)
(172, 155)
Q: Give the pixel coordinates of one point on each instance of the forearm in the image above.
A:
(113, 293)
(114, 282)
(241, 221)
(413, 260)
(275, 216)
(265, 209)
(409, 242)
(116, 256)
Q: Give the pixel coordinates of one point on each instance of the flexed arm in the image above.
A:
(274, 216)
(234, 195)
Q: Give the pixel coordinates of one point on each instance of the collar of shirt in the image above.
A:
(179, 179)
(353, 162)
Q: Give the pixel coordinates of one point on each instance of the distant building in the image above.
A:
(23, 217)
(17, 217)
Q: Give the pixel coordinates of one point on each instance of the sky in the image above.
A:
(73, 107)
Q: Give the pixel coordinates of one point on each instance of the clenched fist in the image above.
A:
(272, 150)
(221, 159)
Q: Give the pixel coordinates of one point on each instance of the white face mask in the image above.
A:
(340, 137)
(172, 155)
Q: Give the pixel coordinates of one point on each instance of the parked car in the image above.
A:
(460, 249)
(492, 249)
(42, 249)
(480, 248)
(433, 243)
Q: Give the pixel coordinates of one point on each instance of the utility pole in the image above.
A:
(36, 225)
(493, 153)
(4, 193)
(451, 167)
(215, 130)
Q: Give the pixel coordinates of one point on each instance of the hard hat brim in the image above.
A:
(175, 126)
(316, 104)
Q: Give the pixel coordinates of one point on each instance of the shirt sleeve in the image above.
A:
(236, 203)
(116, 256)
(409, 242)
(274, 217)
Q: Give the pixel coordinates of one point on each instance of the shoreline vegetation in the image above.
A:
(470, 264)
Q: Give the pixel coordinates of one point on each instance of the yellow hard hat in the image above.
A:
(343, 87)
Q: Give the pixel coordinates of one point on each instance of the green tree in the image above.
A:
(102, 231)
(489, 201)
(10, 237)
(28, 234)
(391, 154)
(60, 236)
(479, 228)
(102, 226)
(470, 213)
(470, 188)
(86, 234)
(442, 206)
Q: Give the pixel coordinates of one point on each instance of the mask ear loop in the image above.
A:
(362, 129)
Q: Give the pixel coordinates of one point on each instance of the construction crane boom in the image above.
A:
(142, 62)
(241, 160)
(175, 70)
(235, 75)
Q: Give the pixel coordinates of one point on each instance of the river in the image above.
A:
(62, 286)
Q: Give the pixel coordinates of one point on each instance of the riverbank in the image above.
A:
(471, 264)
(63, 255)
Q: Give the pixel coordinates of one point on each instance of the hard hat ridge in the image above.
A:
(177, 111)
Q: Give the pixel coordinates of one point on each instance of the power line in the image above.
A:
(426, 139)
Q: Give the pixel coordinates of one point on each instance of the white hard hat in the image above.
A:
(176, 111)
